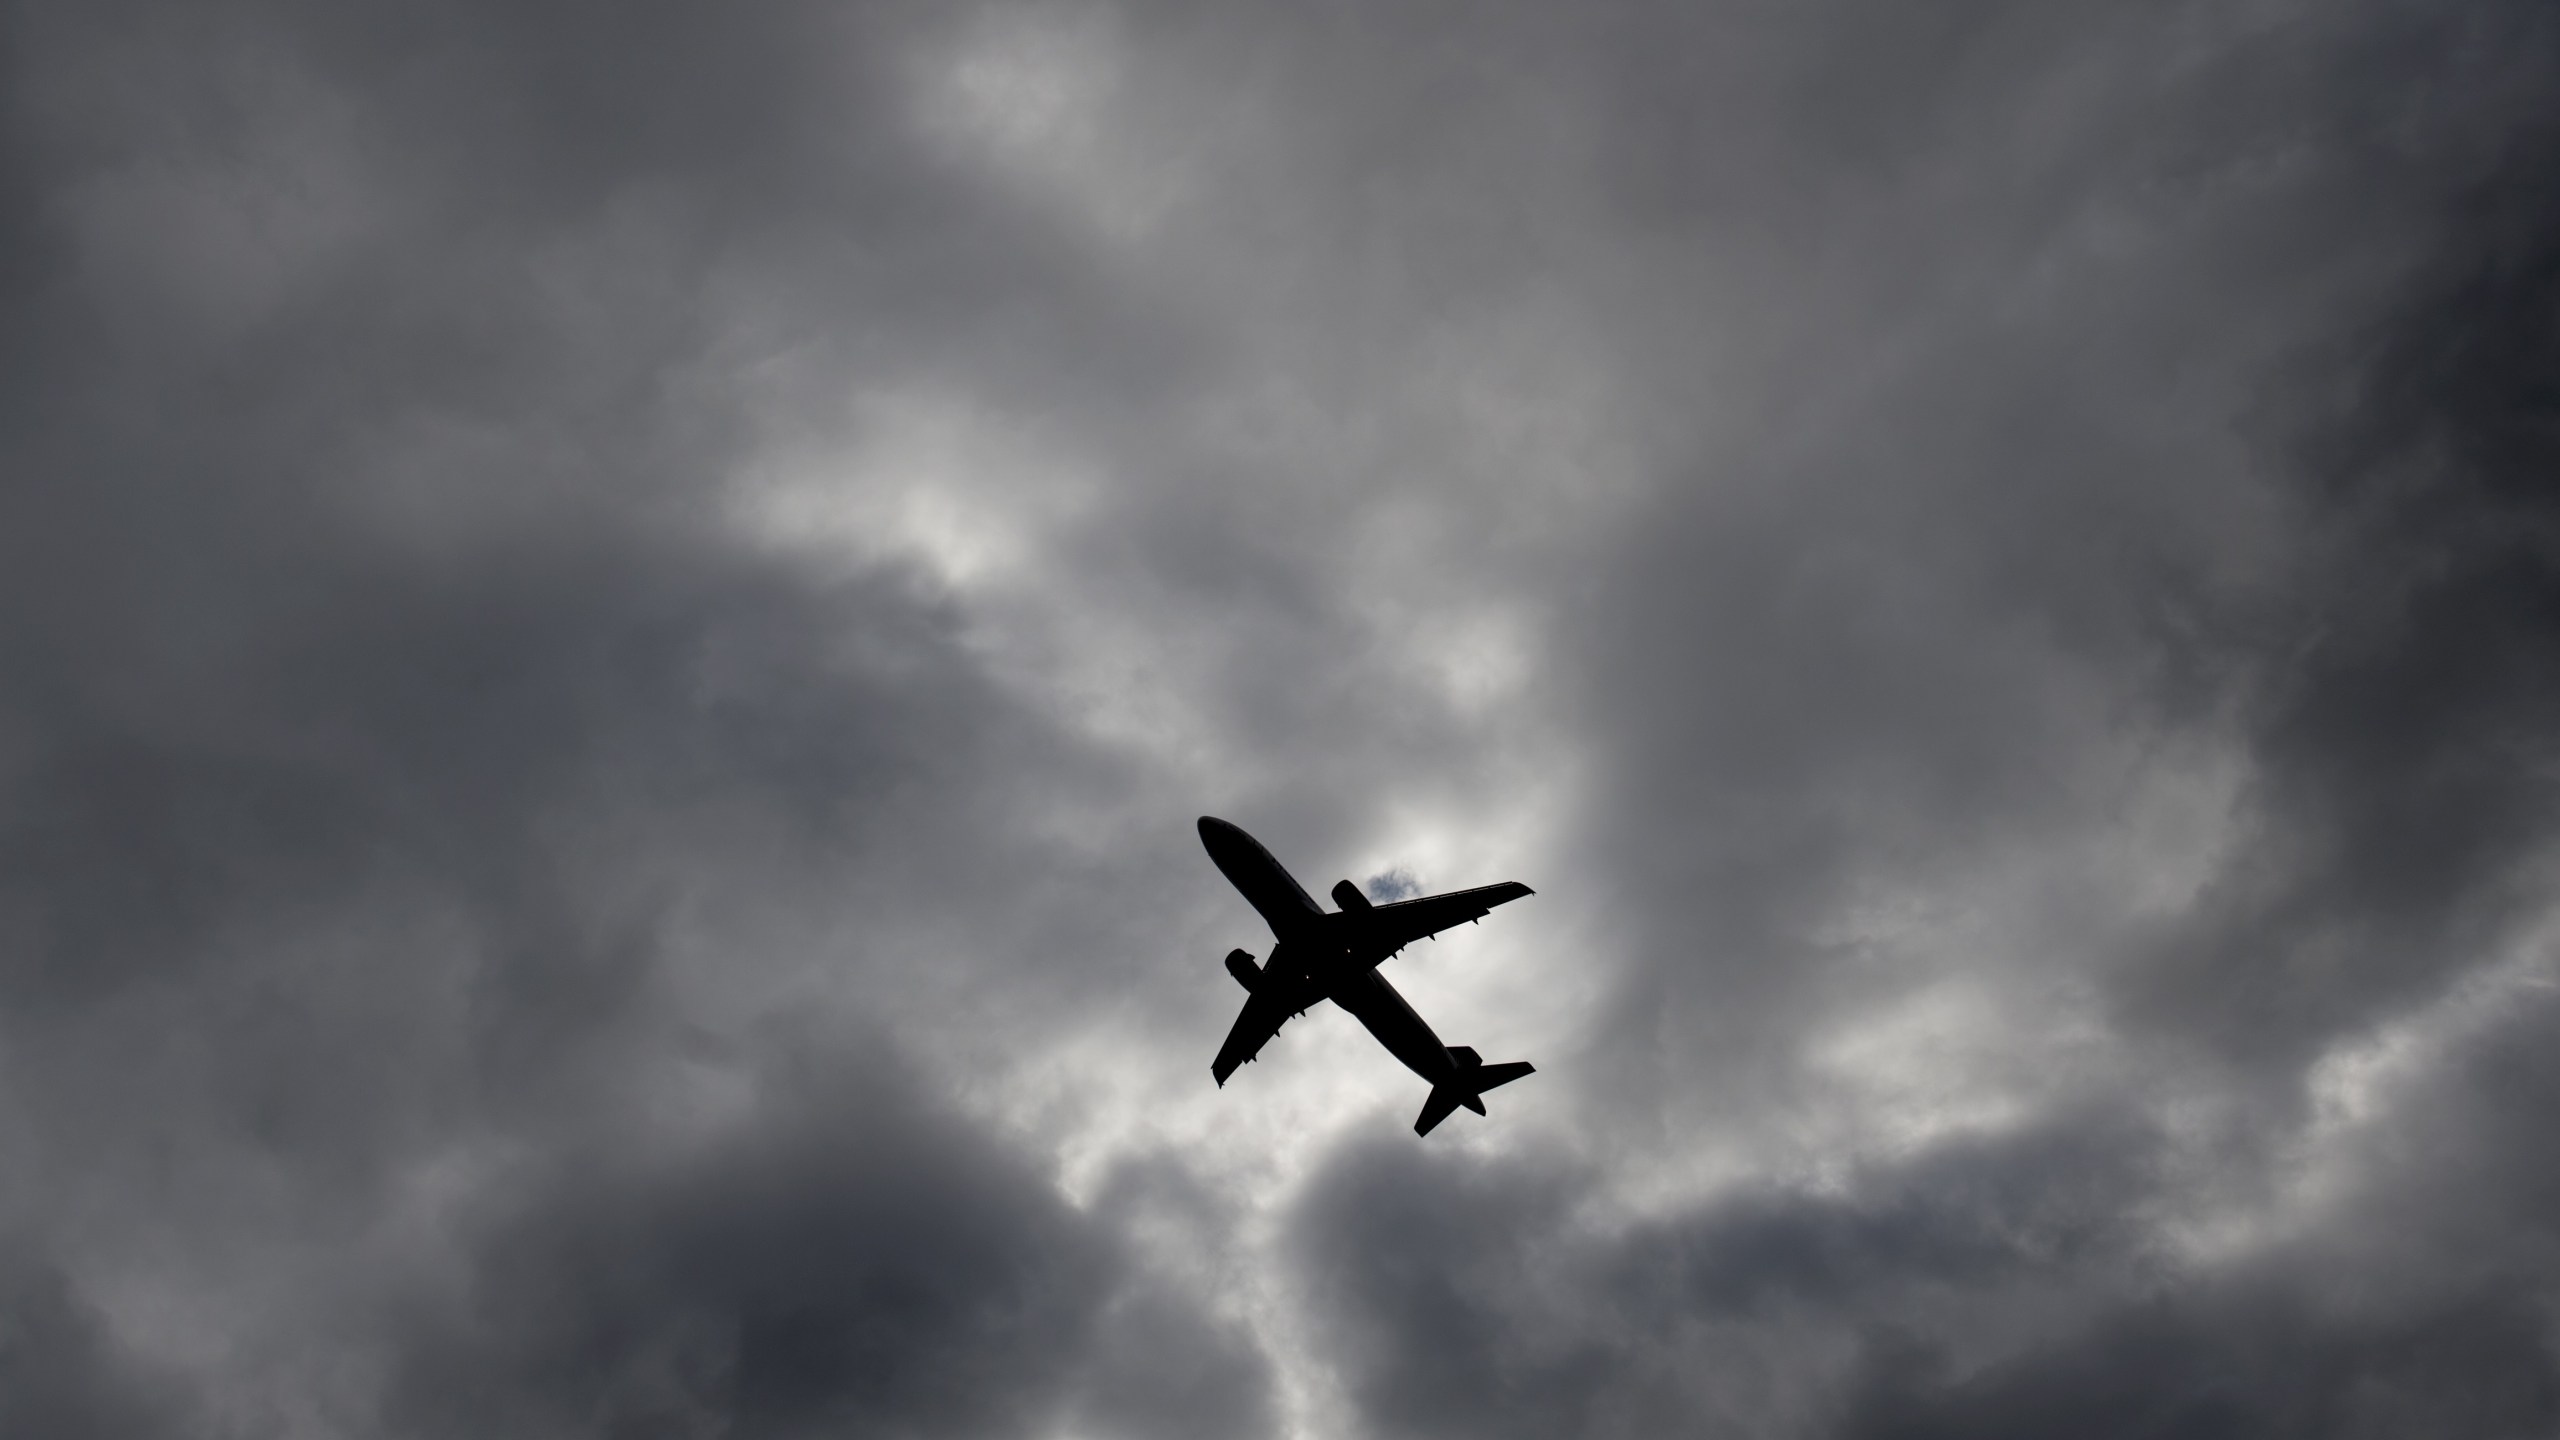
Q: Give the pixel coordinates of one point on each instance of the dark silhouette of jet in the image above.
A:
(1335, 957)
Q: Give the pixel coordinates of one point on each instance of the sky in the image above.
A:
(614, 619)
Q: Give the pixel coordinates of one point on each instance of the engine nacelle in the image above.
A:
(1348, 896)
(1240, 965)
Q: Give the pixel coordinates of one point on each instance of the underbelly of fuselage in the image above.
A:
(1367, 995)
(1323, 965)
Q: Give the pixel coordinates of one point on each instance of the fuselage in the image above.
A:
(1320, 949)
(1261, 879)
(1366, 994)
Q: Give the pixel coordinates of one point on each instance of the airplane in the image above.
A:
(1318, 956)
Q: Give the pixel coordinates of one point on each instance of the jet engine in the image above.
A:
(1240, 965)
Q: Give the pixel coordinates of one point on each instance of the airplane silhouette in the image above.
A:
(1335, 957)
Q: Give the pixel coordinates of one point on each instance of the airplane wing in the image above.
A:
(1393, 926)
(1265, 1011)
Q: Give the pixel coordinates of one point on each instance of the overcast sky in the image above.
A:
(614, 618)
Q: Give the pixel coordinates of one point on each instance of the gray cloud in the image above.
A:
(2401, 728)
(852, 1266)
(611, 625)
(1475, 1299)
(2246, 1364)
(66, 1373)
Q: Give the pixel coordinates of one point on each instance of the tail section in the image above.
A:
(1436, 1109)
(1474, 1077)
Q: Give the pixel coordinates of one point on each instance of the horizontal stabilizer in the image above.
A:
(1473, 1079)
(1443, 1101)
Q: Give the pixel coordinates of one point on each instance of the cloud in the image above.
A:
(853, 1259)
(1516, 1297)
(611, 627)
(67, 1374)
(2247, 1364)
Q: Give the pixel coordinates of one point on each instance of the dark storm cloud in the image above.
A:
(2001, 522)
(492, 943)
(2244, 1364)
(1494, 1299)
(65, 1372)
(2405, 731)
(1889, 643)
(2423, 1309)
(856, 1264)
(386, 704)
(2000, 1288)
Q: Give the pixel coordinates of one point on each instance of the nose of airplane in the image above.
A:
(1222, 838)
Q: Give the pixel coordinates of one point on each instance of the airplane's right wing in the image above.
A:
(1394, 926)
(1265, 1011)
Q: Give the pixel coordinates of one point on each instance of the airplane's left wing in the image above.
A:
(1265, 1011)
(1393, 926)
